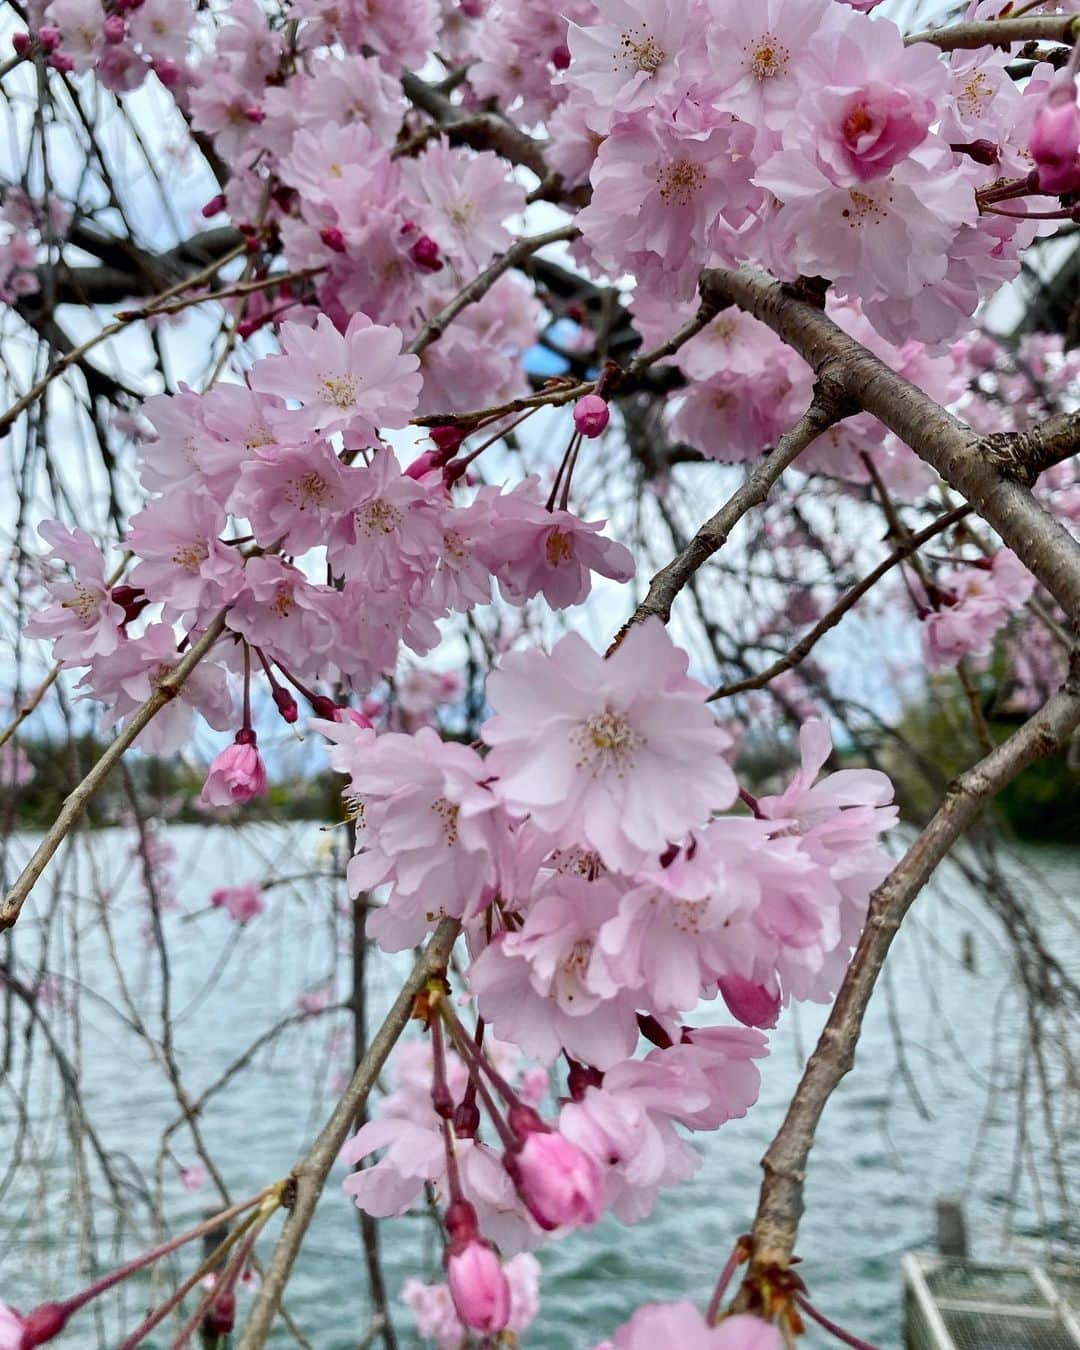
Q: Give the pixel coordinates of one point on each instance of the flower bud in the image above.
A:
(560, 57)
(114, 29)
(43, 1323)
(48, 35)
(21, 43)
(425, 254)
(447, 439)
(333, 238)
(478, 1286)
(591, 415)
(561, 1185)
(168, 72)
(466, 1120)
(213, 206)
(753, 1004)
(62, 62)
(1055, 138)
(221, 1317)
(285, 704)
(237, 775)
(255, 114)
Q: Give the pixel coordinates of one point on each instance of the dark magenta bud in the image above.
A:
(286, 704)
(333, 238)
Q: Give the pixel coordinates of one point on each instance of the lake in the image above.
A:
(937, 1111)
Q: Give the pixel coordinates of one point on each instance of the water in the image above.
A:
(875, 1171)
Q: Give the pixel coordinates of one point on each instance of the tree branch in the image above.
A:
(78, 799)
(1041, 543)
(780, 1203)
(846, 602)
(828, 405)
(999, 32)
(311, 1172)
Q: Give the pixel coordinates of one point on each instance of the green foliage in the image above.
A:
(935, 739)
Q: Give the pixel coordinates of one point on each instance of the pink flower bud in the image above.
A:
(472, 9)
(560, 57)
(236, 775)
(333, 238)
(447, 439)
(213, 206)
(285, 704)
(591, 415)
(561, 1185)
(48, 35)
(425, 254)
(114, 29)
(21, 43)
(478, 1286)
(1055, 138)
(751, 1003)
(43, 1323)
(466, 1120)
(221, 1317)
(168, 72)
(62, 62)
(255, 114)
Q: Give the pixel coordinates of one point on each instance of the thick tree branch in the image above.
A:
(960, 456)
(311, 1172)
(780, 1203)
(999, 32)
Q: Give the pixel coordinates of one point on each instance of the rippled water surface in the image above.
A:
(935, 1111)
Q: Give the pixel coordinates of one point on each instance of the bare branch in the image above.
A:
(846, 602)
(999, 32)
(780, 1203)
(311, 1172)
(827, 406)
(78, 799)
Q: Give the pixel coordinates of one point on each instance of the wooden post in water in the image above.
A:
(951, 1227)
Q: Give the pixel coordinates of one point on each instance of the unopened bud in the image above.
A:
(21, 43)
(214, 206)
(560, 56)
(62, 62)
(425, 254)
(42, 1324)
(591, 415)
(168, 72)
(255, 114)
(333, 238)
(285, 704)
(221, 1317)
(114, 29)
(48, 36)
(466, 1120)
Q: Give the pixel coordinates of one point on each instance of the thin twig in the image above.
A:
(78, 799)
(311, 1172)
(847, 601)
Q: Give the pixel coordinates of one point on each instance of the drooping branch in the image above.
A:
(828, 405)
(780, 1202)
(1042, 543)
(311, 1172)
(847, 601)
(79, 798)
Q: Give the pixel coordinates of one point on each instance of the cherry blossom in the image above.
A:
(589, 748)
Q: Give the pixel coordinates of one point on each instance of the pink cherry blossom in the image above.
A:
(592, 748)
(241, 903)
(1055, 137)
(424, 820)
(84, 621)
(294, 494)
(681, 1324)
(126, 678)
(183, 562)
(354, 381)
(531, 550)
(463, 201)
